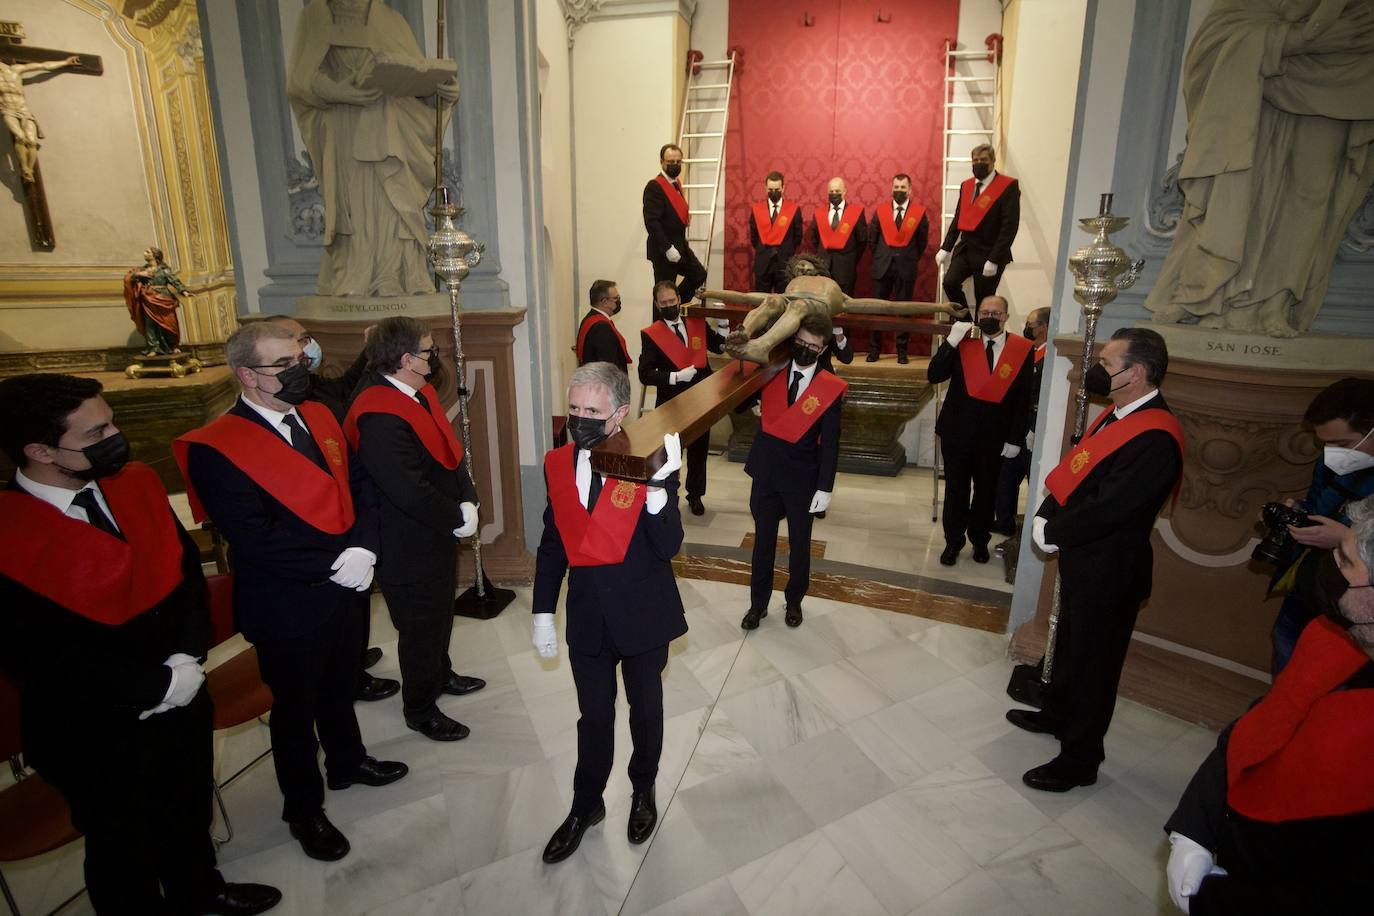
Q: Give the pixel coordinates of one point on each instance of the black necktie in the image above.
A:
(990, 359)
(593, 491)
(835, 217)
(901, 212)
(774, 217)
(792, 388)
(302, 441)
(94, 514)
(1111, 418)
(424, 402)
(681, 333)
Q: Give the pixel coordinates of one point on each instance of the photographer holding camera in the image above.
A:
(1342, 417)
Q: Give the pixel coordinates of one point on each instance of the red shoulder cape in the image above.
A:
(835, 239)
(693, 353)
(791, 423)
(1082, 458)
(432, 426)
(600, 537)
(900, 237)
(772, 232)
(592, 320)
(992, 385)
(971, 212)
(675, 198)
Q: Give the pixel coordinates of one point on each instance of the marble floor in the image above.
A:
(858, 765)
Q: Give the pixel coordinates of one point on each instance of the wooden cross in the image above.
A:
(18, 60)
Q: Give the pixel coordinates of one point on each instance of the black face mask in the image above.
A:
(671, 314)
(295, 384)
(107, 458)
(990, 327)
(836, 199)
(899, 197)
(586, 431)
(673, 169)
(803, 355)
(1028, 332)
(775, 196)
(1098, 381)
(981, 170)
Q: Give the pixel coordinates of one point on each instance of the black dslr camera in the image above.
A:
(1277, 539)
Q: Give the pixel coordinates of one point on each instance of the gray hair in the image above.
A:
(608, 376)
(1362, 520)
(241, 349)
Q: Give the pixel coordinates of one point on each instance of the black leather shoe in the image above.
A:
(694, 503)
(373, 689)
(752, 618)
(439, 727)
(241, 900)
(872, 356)
(568, 836)
(460, 685)
(793, 617)
(980, 554)
(902, 358)
(949, 555)
(371, 657)
(643, 817)
(371, 772)
(1032, 721)
(1053, 777)
(320, 839)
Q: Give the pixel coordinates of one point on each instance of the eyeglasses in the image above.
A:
(425, 353)
(809, 346)
(299, 360)
(616, 300)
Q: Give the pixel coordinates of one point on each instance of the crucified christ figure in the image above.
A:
(777, 316)
(15, 109)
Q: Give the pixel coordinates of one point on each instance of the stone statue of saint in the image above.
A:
(14, 109)
(373, 153)
(1280, 97)
(151, 293)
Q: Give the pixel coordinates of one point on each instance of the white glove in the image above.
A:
(353, 568)
(942, 257)
(181, 658)
(186, 681)
(682, 376)
(159, 708)
(1010, 451)
(469, 526)
(958, 331)
(820, 502)
(839, 336)
(989, 269)
(1189, 863)
(1030, 439)
(672, 254)
(545, 636)
(757, 409)
(672, 445)
(1038, 535)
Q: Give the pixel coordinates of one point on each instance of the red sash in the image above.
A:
(1304, 750)
(675, 198)
(1081, 459)
(1040, 353)
(900, 238)
(693, 353)
(835, 239)
(76, 565)
(592, 320)
(971, 212)
(791, 423)
(433, 428)
(772, 232)
(321, 500)
(599, 537)
(992, 386)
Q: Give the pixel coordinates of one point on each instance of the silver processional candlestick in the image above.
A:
(1100, 271)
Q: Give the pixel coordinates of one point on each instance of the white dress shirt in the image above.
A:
(60, 498)
(277, 418)
(808, 373)
(1122, 411)
(403, 387)
(836, 211)
(980, 186)
(999, 343)
(656, 499)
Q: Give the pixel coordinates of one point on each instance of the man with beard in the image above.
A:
(1279, 819)
(665, 222)
(598, 339)
(978, 243)
(839, 233)
(897, 236)
(672, 358)
(775, 232)
(983, 421)
(792, 463)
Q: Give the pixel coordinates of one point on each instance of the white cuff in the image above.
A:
(363, 550)
(656, 500)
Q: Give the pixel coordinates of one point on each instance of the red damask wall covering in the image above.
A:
(847, 96)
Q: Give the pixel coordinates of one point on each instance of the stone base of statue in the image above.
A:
(370, 308)
(175, 365)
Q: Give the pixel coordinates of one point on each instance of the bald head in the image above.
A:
(835, 190)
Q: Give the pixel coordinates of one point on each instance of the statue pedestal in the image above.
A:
(1202, 648)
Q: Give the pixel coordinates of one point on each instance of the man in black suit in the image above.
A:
(775, 232)
(428, 503)
(275, 477)
(104, 628)
(665, 221)
(897, 235)
(623, 607)
(335, 392)
(839, 233)
(1017, 468)
(978, 242)
(1104, 497)
(598, 339)
(672, 358)
(983, 420)
(792, 462)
